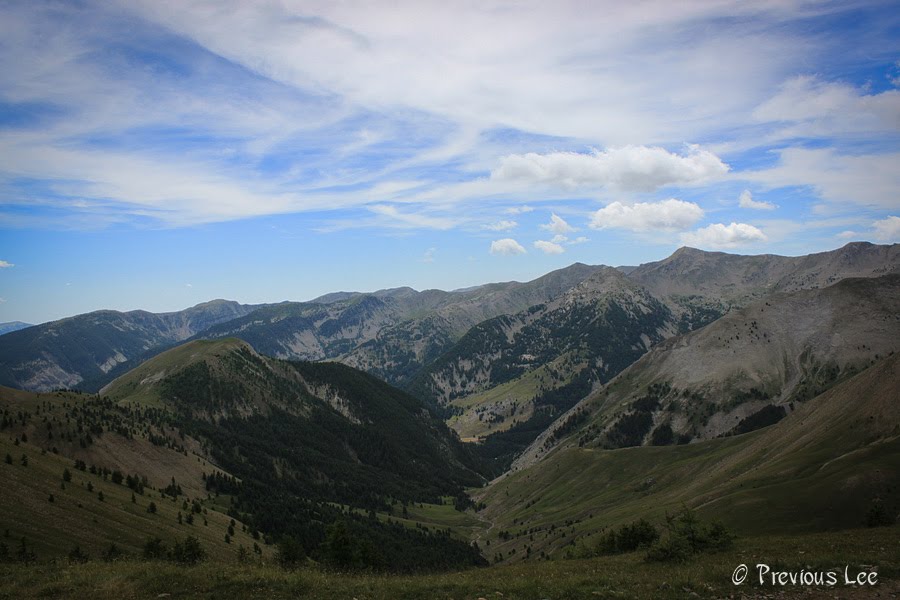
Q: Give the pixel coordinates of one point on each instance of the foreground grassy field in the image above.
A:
(624, 576)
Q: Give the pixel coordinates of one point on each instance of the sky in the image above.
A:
(156, 154)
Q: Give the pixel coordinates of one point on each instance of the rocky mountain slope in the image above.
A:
(700, 286)
(746, 370)
(390, 333)
(521, 371)
(828, 465)
(70, 352)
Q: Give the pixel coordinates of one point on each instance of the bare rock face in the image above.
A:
(746, 370)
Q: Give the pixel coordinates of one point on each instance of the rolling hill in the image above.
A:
(311, 444)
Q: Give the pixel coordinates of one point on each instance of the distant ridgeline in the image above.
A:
(699, 348)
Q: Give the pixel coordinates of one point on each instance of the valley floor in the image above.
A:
(624, 576)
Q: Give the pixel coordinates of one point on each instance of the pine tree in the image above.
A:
(67, 475)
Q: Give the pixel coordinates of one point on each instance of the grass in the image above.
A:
(77, 516)
(519, 392)
(784, 478)
(623, 576)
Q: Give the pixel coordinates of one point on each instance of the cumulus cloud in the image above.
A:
(428, 257)
(629, 168)
(5, 265)
(746, 201)
(887, 230)
(846, 235)
(504, 225)
(719, 235)
(558, 225)
(549, 247)
(507, 247)
(667, 215)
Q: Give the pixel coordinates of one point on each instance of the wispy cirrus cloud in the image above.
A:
(178, 114)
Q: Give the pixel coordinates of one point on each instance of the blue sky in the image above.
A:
(159, 154)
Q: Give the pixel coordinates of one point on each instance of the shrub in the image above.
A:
(113, 553)
(188, 552)
(878, 515)
(628, 538)
(154, 549)
(77, 556)
(688, 535)
(290, 552)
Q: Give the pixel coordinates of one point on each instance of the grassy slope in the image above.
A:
(78, 517)
(625, 576)
(132, 387)
(498, 400)
(782, 478)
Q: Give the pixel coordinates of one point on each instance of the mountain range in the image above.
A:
(527, 416)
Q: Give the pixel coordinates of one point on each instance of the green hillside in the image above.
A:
(305, 440)
(83, 484)
(778, 479)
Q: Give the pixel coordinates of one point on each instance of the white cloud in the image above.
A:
(558, 225)
(561, 69)
(563, 239)
(667, 215)
(411, 220)
(719, 235)
(870, 180)
(887, 230)
(847, 235)
(630, 168)
(2, 300)
(327, 82)
(507, 247)
(517, 210)
(189, 285)
(428, 257)
(746, 201)
(5, 265)
(504, 225)
(812, 107)
(549, 247)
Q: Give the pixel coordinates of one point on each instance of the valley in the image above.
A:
(420, 432)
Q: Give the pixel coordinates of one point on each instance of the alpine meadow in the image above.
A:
(634, 333)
